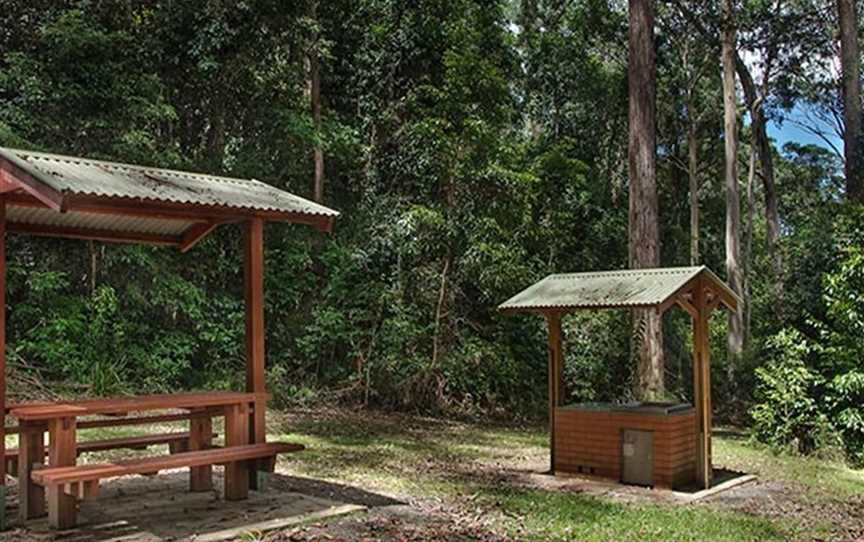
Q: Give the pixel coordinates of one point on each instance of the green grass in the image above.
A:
(828, 478)
(550, 516)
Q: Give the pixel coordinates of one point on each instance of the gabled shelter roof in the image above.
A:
(635, 288)
(50, 194)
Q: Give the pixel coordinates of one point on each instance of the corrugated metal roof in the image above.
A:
(628, 288)
(81, 176)
(96, 221)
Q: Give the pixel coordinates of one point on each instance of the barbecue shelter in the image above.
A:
(61, 196)
(646, 443)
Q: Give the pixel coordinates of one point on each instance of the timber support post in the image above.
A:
(253, 250)
(553, 319)
(702, 383)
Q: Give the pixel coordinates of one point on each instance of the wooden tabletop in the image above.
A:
(119, 405)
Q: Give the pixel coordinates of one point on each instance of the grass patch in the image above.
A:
(830, 478)
(550, 516)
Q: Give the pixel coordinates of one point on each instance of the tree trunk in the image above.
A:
(733, 203)
(762, 146)
(94, 266)
(850, 63)
(748, 238)
(439, 311)
(643, 216)
(693, 175)
(315, 98)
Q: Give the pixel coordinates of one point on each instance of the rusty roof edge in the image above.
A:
(9, 154)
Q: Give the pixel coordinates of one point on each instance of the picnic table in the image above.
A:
(66, 482)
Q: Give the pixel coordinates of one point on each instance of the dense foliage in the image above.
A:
(471, 146)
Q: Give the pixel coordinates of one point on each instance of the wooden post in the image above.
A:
(702, 384)
(200, 438)
(237, 479)
(253, 244)
(62, 453)
(553, 319)
(2, 362)
(31, 454)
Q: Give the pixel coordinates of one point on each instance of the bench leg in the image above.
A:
(200, 438)
(31, 454)
(62, 510)
(236, 434)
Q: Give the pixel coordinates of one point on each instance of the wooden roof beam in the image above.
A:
(686, 289)
(89, 234)
(721, 296)
(12, 173)
(686, 303)
(195, 234)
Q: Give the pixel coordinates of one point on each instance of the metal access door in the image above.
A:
(637, 457)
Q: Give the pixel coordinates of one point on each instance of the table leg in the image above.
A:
(236, 434)
(200, 438)
(31, 454)
(62, 453)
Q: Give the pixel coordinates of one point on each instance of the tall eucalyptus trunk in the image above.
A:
(693, 176)
(315, 99)
(850, 62)
(733, 201)
(644, 246)
(762, 147)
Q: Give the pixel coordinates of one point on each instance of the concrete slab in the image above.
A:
(161, 509)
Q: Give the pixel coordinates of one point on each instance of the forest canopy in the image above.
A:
(472, 147)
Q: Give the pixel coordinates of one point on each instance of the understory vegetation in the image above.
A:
(472, 148)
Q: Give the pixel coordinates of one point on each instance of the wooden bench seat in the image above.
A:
(82, 481)
(178, 441)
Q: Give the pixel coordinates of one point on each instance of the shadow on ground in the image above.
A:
(161, 508)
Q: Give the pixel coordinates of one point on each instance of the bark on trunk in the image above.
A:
(315, 98)
(94, 266)
(693, 175)
(762, 146)
(850, 63)
(748, 238)
(733, 203)
(643, 215)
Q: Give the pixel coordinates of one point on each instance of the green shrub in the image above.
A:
(788, 414)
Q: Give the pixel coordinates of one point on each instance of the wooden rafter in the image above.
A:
(107, 236)
(11, 173)
(686, 303)
(672, 300)
(7, 186)
(195, 234)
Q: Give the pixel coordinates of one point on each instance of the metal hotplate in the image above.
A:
(653, 408)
